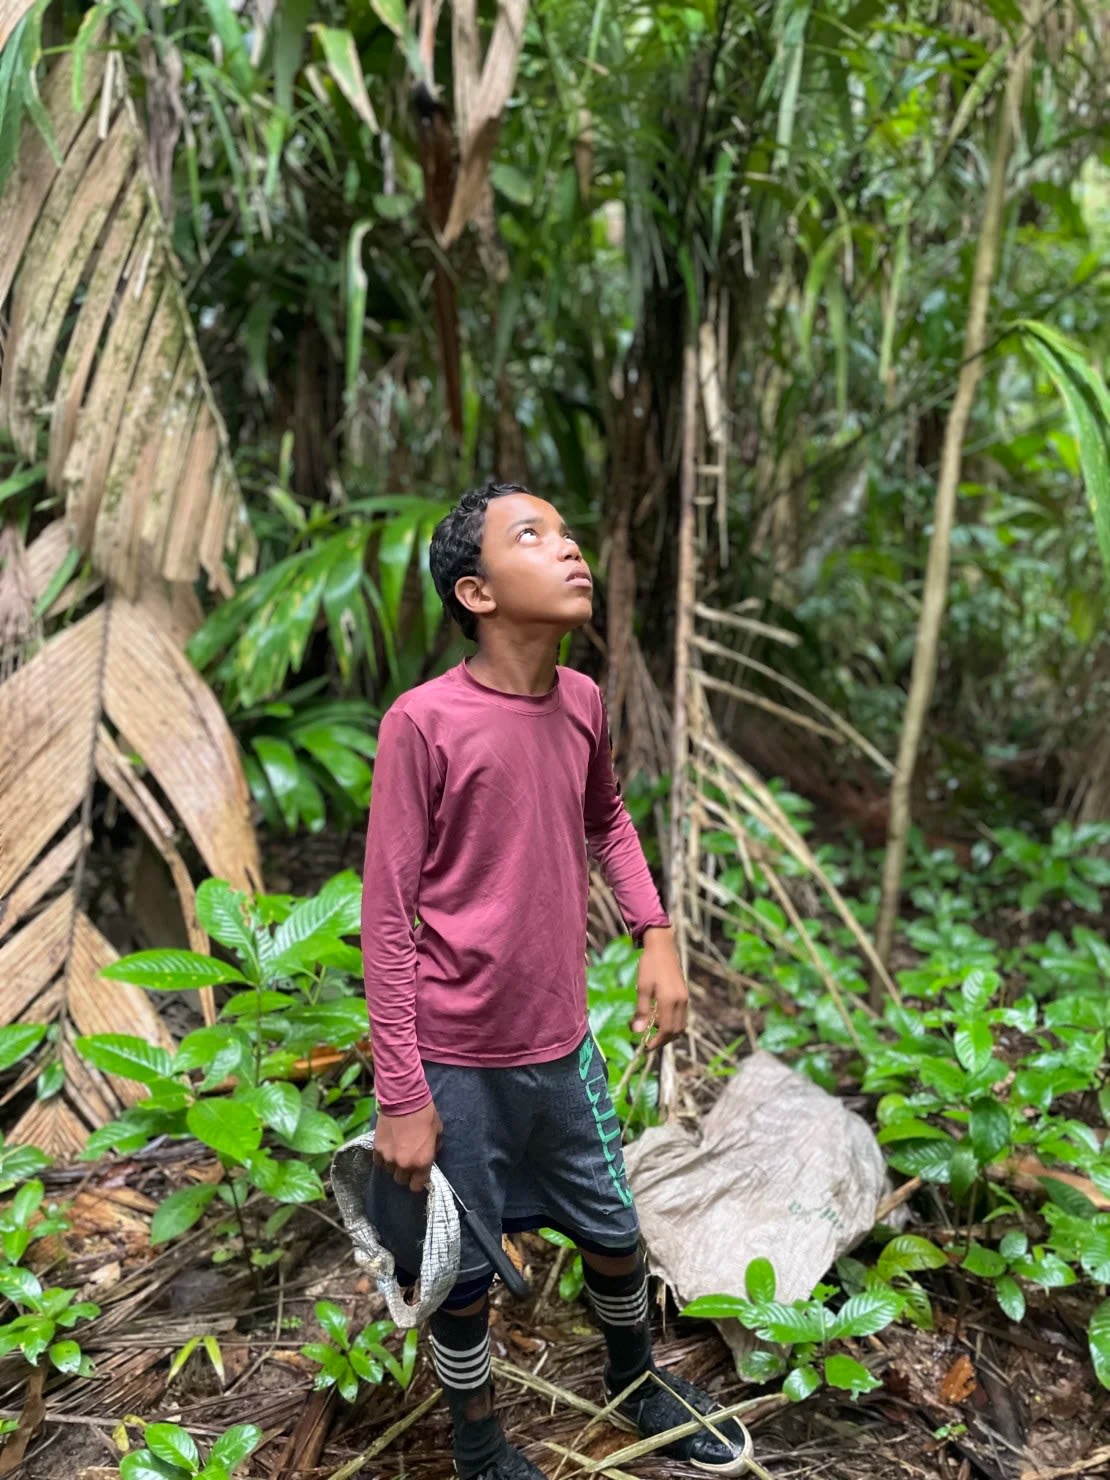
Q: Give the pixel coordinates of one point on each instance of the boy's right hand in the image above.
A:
(406, 1145)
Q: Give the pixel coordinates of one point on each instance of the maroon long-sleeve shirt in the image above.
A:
(486, 807)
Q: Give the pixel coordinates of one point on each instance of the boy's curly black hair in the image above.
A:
(456, 548)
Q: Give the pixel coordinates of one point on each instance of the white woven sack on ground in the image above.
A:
(439, 1268)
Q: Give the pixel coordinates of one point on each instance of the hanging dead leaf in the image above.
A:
(482, 88)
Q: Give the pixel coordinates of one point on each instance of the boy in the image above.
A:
(492, 784)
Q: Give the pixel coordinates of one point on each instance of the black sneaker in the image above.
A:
(653, 1408)
(510, 1465)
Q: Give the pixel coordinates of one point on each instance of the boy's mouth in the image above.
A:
(580, 578)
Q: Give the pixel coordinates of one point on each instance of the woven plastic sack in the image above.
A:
(778, 1169)
(439, 1268)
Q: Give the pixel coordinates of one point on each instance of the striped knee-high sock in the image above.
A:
(621, 1303)
(461, 1357)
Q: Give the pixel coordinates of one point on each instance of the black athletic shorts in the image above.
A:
(535, 1146)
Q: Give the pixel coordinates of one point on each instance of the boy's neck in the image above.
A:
(518, 664)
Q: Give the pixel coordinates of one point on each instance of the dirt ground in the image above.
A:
(975, 1399)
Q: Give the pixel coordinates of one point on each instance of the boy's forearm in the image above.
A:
(620, 856)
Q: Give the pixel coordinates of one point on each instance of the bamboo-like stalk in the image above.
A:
(683, 646)
(923, 676)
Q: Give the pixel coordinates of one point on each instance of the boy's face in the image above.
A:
(534, 570)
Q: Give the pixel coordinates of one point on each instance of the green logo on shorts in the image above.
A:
(597, 1094)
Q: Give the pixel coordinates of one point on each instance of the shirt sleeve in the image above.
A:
(612, 841)
(397, 839)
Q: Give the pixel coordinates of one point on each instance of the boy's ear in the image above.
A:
(474, 596)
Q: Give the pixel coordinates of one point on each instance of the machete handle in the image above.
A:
(492, 1248)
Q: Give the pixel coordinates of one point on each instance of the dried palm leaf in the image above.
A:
(118, 666)
(99, 338)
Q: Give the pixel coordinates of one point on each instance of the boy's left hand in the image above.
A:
(660, 988)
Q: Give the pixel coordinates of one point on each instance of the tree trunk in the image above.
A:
(924, 671)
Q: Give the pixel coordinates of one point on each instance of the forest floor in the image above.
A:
(975, 1397)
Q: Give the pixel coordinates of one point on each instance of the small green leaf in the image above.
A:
(66, 1356)
(221, 910)
(978, 988)
(19, 1284)
(1008, 1294)
(716, 1308)
(127, 1056)
(171, 970)
(990, 1130)
(963, 1170)
(141, 1464)
(867, 1313)
(278, 1105)
(973, 1043)
(1098, 1338)
(178, 1212)
(26, 1202)
(759, 1280)
(218, 1050)
(846, 1372)
(245, 1004)
(761, 1366)
(1070, 1198)
(365, 1366)
(170, 1442)
(51, 1080)
(392, 13)
(287, 1181)
(987, 1263)
(1014, 1244)
(342, 59)
(512, 183)
(315, 1133)
(235, 1445)
(908, 1252)
(801, 1383)
(17, 1041)
(228, 1126)
(776, 1321)
(333, 1321)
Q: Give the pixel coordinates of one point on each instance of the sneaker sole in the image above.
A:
(735, 1466)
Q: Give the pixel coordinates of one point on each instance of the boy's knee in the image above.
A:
(468, 1297)
(616, 1263)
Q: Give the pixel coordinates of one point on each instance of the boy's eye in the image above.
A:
(528, 530)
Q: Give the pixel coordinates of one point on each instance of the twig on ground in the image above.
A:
(1076, 1467)
(553, 1274)
(896, 1198)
